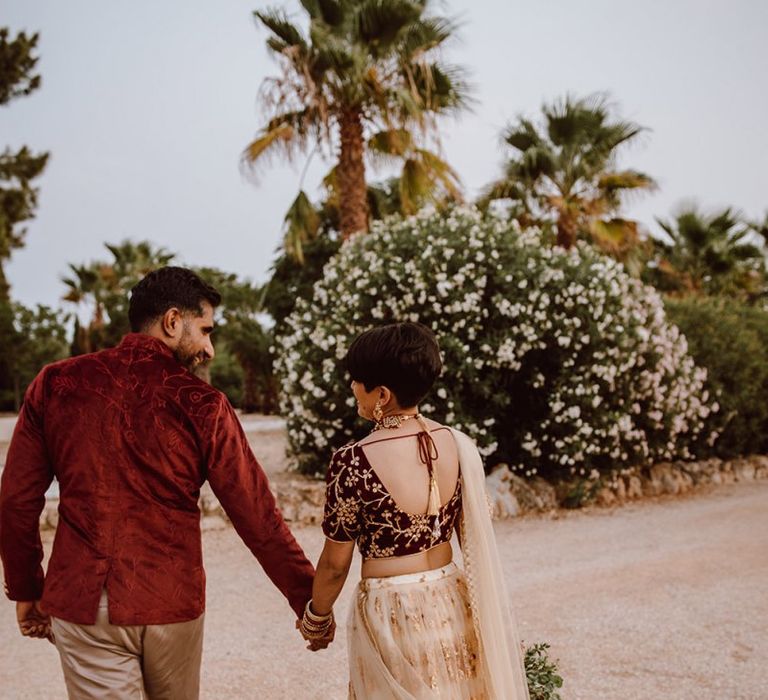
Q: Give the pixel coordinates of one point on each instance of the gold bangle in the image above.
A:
(314, 626)
(315, 632)
(314, 617)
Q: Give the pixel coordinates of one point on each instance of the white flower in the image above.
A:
(621, 366)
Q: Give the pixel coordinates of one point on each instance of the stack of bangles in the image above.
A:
(315, 626)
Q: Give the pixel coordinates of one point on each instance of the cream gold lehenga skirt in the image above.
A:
(412, 637)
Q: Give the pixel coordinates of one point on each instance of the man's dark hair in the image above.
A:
(404, 357)
(165, 288)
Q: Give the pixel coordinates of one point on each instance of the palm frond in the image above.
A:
(625, 180)
(301, 225)
(278, 23)
(330, 52)
(522, 136)
(438, 87)
(279, 138)
(571, 120)
(390, 144)
(427, 178)
(441, 173)
(415, 184)
(614, 235)
(313, 8)
(500, 189)
(381, 21)
(425, 35)
(536, 162)
(330, 12)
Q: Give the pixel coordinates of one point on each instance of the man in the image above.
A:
(131, 435)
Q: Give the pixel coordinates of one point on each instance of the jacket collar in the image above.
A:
(147, 343)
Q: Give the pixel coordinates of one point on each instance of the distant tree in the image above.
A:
(292, 280)
(312, 237)
(41, 338)
(18, 198)
(366, 79)
(404, 194)
(243, 336)
(565, 171)
(718, 254)
(104, 286)
(17, 65)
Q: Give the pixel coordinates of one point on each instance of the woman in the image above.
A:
(419, 627)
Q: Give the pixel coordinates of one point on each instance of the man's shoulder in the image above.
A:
(196, 390)
(162, 375)
(68, 365)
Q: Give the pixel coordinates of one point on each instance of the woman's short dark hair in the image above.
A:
(165, 288)
(404, 357)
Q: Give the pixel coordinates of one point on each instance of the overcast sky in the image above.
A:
(146, 106)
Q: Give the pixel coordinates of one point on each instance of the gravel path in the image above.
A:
(665, 600)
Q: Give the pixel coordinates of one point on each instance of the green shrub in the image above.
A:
(556, 362)
(227, 374)
(731, 340)
(541, 674)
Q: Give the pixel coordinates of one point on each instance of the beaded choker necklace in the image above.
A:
(395, 421)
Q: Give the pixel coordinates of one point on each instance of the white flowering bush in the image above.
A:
(556, 362)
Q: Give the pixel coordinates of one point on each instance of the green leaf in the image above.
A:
(380, 21)
(301, 225)
(278, 23)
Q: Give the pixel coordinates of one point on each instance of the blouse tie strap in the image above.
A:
(428, 454)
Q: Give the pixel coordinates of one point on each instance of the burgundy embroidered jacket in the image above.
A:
(131, 436)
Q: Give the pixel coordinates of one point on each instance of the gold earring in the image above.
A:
(378, 413)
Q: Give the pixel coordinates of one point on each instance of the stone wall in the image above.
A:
(511, 495)
(301, 499)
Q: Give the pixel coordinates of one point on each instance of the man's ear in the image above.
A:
(172, 323)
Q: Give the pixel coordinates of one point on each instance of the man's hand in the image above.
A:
(315, 644)
(33, 621)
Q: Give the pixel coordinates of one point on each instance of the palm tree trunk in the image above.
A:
(566, 230)
(351, 173)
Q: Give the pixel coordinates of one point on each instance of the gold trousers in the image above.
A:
(130, 662)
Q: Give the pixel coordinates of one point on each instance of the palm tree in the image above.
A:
(367, 75)
(566, 171)
(86, 285)
(104, 287)
(719, 253)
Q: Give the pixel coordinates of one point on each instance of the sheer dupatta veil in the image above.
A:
(494, 622)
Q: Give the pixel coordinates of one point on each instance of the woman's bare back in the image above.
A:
(394, 456)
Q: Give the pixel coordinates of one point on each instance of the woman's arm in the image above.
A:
(330, 575)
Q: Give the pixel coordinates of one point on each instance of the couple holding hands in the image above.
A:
(131, 434)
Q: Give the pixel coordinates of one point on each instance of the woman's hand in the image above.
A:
(331, 572)
(315, 644)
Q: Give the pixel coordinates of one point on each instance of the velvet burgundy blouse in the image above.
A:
(359, 507)
(131, 436)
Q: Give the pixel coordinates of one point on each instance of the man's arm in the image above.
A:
(241, 486)
(26, 478)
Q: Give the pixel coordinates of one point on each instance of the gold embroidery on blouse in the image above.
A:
(359, 507)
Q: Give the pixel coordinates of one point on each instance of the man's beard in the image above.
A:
(186, 355)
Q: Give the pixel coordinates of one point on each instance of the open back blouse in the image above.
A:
(359, 508)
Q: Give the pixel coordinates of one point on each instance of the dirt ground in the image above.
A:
(665, 599)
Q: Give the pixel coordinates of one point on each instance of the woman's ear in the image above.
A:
(386, 397)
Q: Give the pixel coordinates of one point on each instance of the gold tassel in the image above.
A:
(433, 506)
